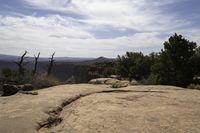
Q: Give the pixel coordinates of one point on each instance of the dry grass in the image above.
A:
(43, 81)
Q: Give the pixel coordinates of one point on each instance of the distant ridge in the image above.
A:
(63, 69)
(103, 59)
(62, 59)
(8, 57)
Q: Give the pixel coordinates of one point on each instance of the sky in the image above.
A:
(93, 28)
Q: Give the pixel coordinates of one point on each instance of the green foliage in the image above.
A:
(174, 65)
(177, 64)
(133, 66)
(196, 62)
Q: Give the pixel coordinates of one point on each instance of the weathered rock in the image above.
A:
(134, 82)
(114, 111)
(115, 83)
(114, 77)
(111, 81)
(99, 81)
(29, 93)
(120, 84)
(9, 90)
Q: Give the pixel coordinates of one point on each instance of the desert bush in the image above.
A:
(194, 86)
(43, 81)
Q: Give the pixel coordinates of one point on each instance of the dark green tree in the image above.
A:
(133, 66)
(196, 61)
(175, 65)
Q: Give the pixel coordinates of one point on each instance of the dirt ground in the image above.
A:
(99, 109)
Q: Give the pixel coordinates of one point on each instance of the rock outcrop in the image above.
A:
(115, 83)
(120, 84)
(83, 108)
(9, 90)
(99, 81)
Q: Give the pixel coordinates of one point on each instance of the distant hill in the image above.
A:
(63, 69)
(8, 57)
(65, 59)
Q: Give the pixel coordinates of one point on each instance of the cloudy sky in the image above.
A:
(92, 28)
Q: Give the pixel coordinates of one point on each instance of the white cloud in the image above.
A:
(142, 15)
(56, 33)
(70, 36)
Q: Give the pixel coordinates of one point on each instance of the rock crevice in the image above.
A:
(54, 118)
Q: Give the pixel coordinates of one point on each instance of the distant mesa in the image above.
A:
(103, 59)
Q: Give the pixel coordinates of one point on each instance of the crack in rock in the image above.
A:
(54, 118)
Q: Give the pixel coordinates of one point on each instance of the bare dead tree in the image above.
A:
(36, 63)
(21, 65)
(51, 62)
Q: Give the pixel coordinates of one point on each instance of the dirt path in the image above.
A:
(94, 108)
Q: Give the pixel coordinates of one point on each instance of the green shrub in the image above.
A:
(43, 81)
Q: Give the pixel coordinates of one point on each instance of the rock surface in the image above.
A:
(115, 83)
(99, 80)
(25, 87)
(120, 84)
(87, 108)
(134, 82)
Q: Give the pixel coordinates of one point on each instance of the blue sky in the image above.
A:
(92, 28)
